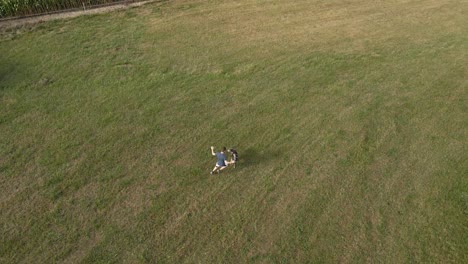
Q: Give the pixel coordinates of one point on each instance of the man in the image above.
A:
(234, 158)
(221, 163)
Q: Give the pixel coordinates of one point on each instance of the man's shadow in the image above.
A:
(253, 157)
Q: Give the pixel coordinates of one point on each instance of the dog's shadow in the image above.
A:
(254, 157)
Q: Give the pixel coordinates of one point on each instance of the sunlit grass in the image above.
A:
(349, 118)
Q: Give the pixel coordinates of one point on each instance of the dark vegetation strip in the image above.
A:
(25, 8)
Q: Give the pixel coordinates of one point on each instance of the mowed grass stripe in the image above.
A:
(350, 119)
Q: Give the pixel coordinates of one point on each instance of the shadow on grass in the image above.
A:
(6, 70)
(254, 157)
(3, 67)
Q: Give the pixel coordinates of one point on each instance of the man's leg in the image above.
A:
(214, 169)
(222, 168)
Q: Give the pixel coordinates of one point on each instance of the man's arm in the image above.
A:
(212, 151)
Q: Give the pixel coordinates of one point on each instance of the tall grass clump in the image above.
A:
(12, 8)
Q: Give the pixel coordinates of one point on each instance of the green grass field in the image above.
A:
(350, 118)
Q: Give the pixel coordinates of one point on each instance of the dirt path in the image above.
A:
(37, 19)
